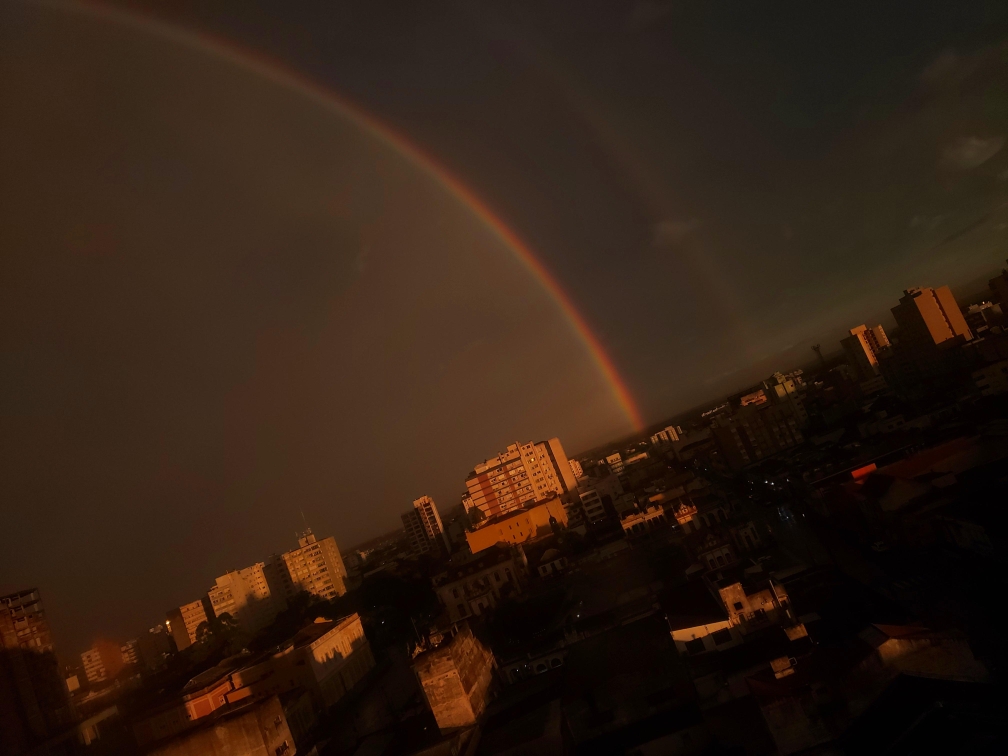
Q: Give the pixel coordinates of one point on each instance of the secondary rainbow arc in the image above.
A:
(287, 77)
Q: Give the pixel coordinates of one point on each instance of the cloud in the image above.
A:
(969, 152)
(671, 232)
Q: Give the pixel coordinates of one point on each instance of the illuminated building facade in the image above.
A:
(524, 473)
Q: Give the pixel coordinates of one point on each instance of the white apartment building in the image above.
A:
(315, 566)
(615, 462)
(576, 469)
(524, 473)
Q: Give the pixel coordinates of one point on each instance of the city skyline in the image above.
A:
(186, 373)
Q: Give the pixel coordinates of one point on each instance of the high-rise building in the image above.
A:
(576, 469)
(524, 473)
(615, 462)
(183, 621)
(247, 596)
(862, 348)
(34, 700)
(103, 661)
(316, 567)
(929, 317)
(924, 356)
(424, 528)
(31, 629)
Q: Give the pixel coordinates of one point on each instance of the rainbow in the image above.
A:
(288, 78)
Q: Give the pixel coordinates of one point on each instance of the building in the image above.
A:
(924, 356)
(992, 379)
(31, 629)
(456, 677)
(424, 528)
(248, 598)
(756, 432)
(980, 317)
(518, 526)
(325, 659)
(316, 567)
(863, 347)
(34, 700)
(666, 436)
(258, 728)
(103, 661)
(615, 463)
(130, 651)
(576, 468)
(697, 621)
(183, 622)
(594, 508)
(468, 588)
(642, 522)
(929, 317)
(525, 472)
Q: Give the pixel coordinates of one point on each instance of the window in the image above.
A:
(738, 606)
(496, 576)
(721, 636)
(454, 592)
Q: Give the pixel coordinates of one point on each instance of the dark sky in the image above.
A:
(222, 304)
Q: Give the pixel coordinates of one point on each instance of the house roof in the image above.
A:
(691, 604)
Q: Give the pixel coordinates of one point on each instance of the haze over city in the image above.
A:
(274, 268)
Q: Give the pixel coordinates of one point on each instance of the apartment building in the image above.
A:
(863, 347)
(183, 621)
(524, 473)
(316, 567)
(424, 528)
(249, 596)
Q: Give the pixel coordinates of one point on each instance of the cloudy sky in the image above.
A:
(223, 304)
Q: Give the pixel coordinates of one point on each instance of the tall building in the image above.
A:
(183, 621)
(31, 629)
(929, 317)
(424, 528)
(863, 347)
(34, 701)
(576, 469)
(103, 661)
(247, 596)
(615, 462)
(316, 567)
(924, 356)
(524, 473)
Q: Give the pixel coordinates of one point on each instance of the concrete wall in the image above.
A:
(456, 680)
